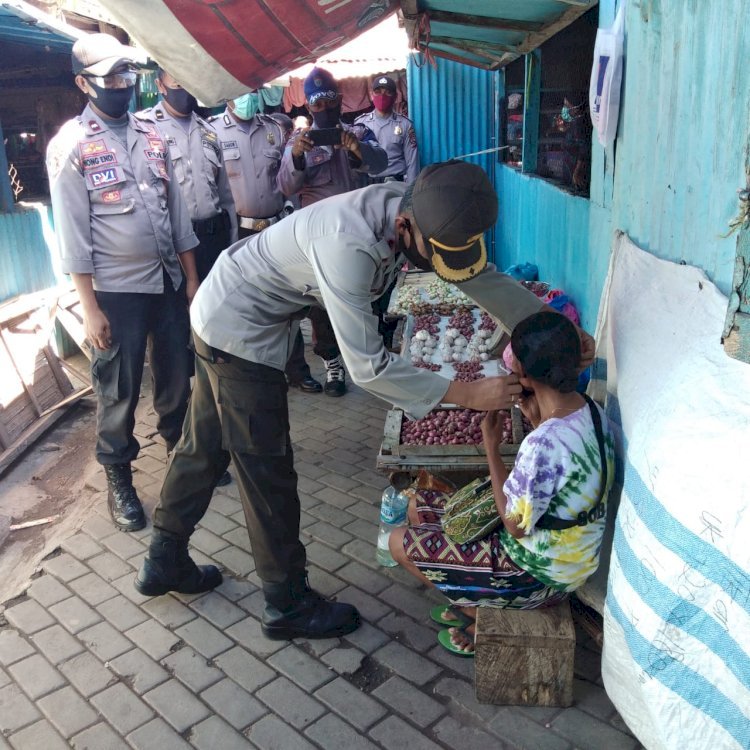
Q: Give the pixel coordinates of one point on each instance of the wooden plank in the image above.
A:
(484, 22)
(63, 383)
(27, 438)
(71, 399)
(392, 431)
(524, 657)
(532, 98)
(26, 388)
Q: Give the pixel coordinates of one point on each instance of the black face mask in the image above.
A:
(412, 254)
(180, 100)
(327, 118)
(112, 102)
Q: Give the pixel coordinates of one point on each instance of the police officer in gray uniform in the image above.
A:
(252, 144)
(125, 238)
(395, 133)
(196, 157)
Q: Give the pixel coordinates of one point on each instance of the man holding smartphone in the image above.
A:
(319, 162)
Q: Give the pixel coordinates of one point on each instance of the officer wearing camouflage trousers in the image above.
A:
(125, 238)
(196, 157)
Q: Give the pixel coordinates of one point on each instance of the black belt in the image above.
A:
(387, 178)
(212, 225)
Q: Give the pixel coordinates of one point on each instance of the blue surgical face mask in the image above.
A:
(565, 114)
(246, 106)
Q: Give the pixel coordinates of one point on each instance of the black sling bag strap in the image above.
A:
(552, 523)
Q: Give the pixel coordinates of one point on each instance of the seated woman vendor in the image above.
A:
(540, 539)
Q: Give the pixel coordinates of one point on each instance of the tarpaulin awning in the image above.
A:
(220, 50)
(487, 33)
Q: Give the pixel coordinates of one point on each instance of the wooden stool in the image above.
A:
(524, 657)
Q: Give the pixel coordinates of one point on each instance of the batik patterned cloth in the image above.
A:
(558, 471)
(477, 573)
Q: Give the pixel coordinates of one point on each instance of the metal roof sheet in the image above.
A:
(486, 33)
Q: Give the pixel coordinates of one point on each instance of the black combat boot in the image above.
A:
(168, 567)
(123, 503)
(294, 610)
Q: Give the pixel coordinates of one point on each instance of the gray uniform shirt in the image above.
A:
(117, 214)
(395, 133)
(340, 254)
(198, 167)
(328, 171)
(252, 153)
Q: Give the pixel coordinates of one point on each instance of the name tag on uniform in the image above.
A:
(102, 177)
(171, 141)
(99, 160)
(228, 144)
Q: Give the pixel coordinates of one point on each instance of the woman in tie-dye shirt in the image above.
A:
(557, 477)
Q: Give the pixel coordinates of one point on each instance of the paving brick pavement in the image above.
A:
(87, 662)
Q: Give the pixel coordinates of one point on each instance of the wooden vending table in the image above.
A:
(456, 462)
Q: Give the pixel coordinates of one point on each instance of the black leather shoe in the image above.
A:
(122, 500)
(308, 384)
(168, 567)
(224, 479)
(294, 610)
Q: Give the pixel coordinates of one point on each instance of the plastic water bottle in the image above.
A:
(393, 507)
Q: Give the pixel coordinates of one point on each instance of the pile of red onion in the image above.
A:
(450, 427)
(468, 371)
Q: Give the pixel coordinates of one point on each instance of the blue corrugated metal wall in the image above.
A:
(453, 112)
(684, 130)
(28, 259)
(680, 151)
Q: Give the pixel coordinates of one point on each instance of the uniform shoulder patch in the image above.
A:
(411, 136)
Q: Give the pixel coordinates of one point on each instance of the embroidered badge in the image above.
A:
(228, 144)
(155, 155)
(159, 115)
(94, 126)
(156, 144)
(270, 138)
(171, 141)
(103, 159)
(92, 147)
(102, 177)
(412, 137)
(212, 145)
(111, 196)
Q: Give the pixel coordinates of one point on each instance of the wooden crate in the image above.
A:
(524, 657)
(439, 459)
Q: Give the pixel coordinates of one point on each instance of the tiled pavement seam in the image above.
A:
(87, 662)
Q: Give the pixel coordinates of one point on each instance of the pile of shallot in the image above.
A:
(450, 427)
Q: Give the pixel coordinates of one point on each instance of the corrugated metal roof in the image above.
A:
(23, 23)
(486, 33)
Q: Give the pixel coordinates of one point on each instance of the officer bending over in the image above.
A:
(339, 253)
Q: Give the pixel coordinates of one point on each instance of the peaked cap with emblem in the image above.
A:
(454, 204)
(384, 82)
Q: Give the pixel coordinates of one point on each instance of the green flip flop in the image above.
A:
(437, 614)
(444, 639)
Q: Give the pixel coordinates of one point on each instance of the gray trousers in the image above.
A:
(238, 409)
